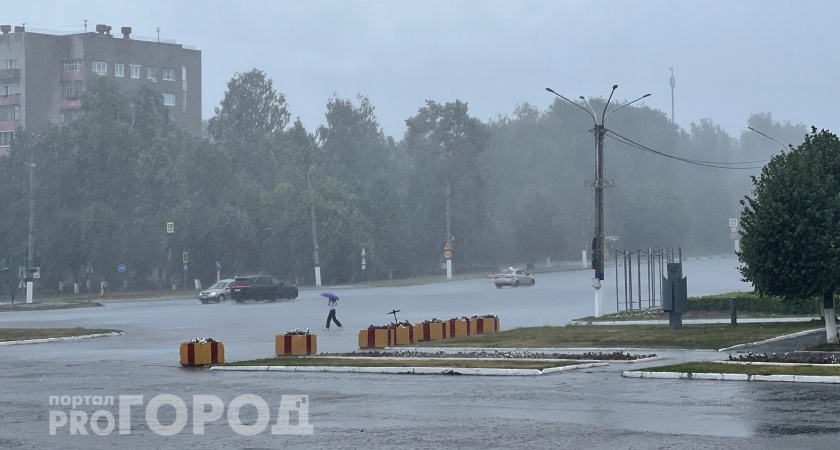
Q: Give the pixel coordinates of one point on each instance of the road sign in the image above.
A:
(733, 222)
(185, 267)
(447, 254)
(186, 258)
(447, 246)
(734, 229)
(363, 263)
(121, 268)
(89, 269)
(36, 272)
(218, 265)
(734, 236)
(170, 227)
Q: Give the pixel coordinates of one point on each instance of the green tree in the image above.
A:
(374, 169)
(446, 147)
(249, 125)
(790, 243)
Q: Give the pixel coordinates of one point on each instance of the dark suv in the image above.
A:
(261, 288)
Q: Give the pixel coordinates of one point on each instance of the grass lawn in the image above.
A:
(18, 334)
(406, 362)
(700, 336)
(748, 369)
(47, 305)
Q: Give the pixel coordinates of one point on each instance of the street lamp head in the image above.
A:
(615, 86)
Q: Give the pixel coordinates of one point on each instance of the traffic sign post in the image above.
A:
(218, 271)
(447, 253)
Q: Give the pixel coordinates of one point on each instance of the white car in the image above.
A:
(513, 277)
(218, 292)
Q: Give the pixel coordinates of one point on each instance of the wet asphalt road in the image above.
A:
(591, 408)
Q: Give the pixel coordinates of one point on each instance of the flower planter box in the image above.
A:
(202, 353)
(375, 338)
(482, 325)
(403, 335)
(295, 344)
(458, 328)
(431, 331)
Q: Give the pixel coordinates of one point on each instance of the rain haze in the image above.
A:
(729, 59)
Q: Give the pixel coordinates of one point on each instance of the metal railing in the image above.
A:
(643, 272)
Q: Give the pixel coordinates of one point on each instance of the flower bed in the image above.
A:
(431, 330)
(201, 352)
(511, 354)
(487, 323)
(375, 337)
(459, 326)
(296, 343)
(403, 335)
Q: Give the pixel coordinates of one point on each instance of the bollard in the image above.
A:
(733, 313)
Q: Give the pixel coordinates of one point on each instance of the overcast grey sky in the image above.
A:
(730, 58)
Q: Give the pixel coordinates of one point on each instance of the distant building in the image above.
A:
(43, 73)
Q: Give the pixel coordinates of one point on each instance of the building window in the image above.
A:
(10, 112)
(10, 64)
(169, 99)
(119, 70)
(168, 74)
(135, 70)
(71, 65)
(67, 115)
(8, 89)
(6, 138)
(150, 74)
(100, 68)
(71, 89)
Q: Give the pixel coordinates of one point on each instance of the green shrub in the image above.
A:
(745, 301)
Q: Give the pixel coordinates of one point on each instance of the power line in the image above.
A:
(712, 164)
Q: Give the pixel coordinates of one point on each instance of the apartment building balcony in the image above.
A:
(71, 103)
(9, 76)
(13, 99)
(9, 125)
(75, 75)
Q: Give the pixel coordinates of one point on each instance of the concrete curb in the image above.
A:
(467, 358)
(732, 377)
(692, 321)
(59, 339)
(531, 349)
(409, 370)
(775, 339)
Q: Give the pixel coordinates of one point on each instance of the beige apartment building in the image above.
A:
(42, 75)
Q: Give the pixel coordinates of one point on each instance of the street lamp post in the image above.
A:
(598, 183)
(29, 240)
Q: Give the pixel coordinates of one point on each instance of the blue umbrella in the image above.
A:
(329, 295)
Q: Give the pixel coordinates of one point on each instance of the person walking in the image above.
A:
(332, 302)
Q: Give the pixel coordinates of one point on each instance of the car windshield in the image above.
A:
(219, 285)
(506, 272)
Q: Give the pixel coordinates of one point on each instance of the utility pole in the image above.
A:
(448, 231)
(673, 83)
(29, 281)
(599, 183)
(314, 229)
